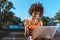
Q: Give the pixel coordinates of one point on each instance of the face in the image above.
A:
(35, 14)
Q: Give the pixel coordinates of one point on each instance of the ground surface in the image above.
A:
(20, 36)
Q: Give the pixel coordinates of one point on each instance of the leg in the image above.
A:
(38, 39)
(43, 39)
(47, 39)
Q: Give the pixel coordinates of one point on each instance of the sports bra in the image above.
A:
(31, 26)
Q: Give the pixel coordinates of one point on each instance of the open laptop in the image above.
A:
(44, 32)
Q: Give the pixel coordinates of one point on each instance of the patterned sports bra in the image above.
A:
(31, 26)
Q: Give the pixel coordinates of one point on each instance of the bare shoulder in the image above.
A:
(26, 21)
(40, 20)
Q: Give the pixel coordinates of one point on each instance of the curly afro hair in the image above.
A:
(37, 8)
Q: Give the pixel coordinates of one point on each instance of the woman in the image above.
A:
(36, 10)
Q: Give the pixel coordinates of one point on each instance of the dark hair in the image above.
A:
(37, 8)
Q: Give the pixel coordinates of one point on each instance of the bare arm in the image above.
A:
(26, 22)
(41, 23)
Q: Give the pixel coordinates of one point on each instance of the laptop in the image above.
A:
(44, 32)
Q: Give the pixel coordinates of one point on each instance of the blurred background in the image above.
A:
(14, 12)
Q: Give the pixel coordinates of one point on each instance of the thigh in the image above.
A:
(38, 39)
(47, 39)
(43, 39)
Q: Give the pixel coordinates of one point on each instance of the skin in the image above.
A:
(33, 21)
(35, 15)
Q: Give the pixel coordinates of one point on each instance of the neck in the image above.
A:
(33, 18)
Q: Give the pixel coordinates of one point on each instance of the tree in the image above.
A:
(45, 20)
(6, 15)
(15, 20)
(57, 16)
